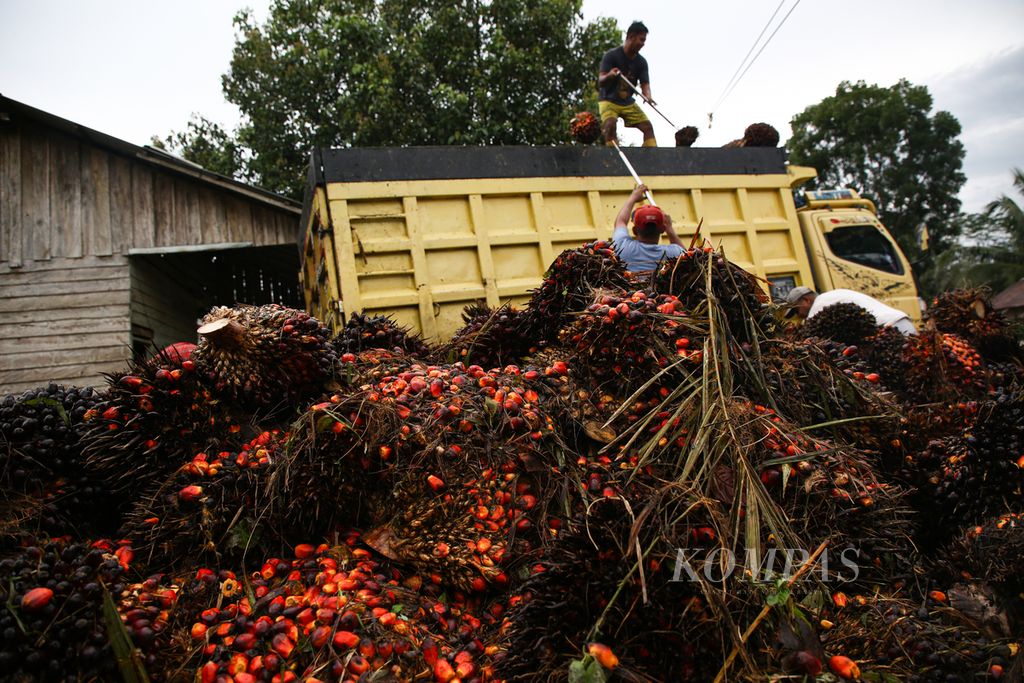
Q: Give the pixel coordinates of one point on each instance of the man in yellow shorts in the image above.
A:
(616, 97)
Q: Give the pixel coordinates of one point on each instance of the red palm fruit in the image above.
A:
(282, 645)
(198, 631)
(443, 671)
(304, 550)
(345, 640)
(239, 663)
(429, 651)
(190, 493)
(244, 641)
(603, 654)
(36, 599)
(844, 667)
(358, 665)
(320, 636)
(806, 663)
(367, 648)
(208, 674)
(436, 483)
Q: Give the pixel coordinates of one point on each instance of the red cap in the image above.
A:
(646, 215)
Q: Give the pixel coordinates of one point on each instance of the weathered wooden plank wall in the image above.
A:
(160, 302)
(65, 320)
(70, 211)
(63, 197)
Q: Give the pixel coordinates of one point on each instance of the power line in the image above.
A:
(721, 95)
(736, 82)
(761, 50)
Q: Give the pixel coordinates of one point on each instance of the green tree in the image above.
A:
(887, 144)
(205, 143)
(339, 73)
(991, 251)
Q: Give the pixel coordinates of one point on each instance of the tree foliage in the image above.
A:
(339, 73)
(205, 143)
(992, 252)
(886, 143)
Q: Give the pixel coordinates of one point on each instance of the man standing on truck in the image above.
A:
(806, 303)
(643, 253)
(616, 96)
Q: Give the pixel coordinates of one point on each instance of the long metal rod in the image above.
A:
(645, 99)
(632, 172)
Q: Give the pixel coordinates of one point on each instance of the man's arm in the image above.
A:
(622, 220)
(605, 78)
(645, 88)
(670, 232)
(645, 82)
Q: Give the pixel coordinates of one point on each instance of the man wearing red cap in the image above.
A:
(643, 253)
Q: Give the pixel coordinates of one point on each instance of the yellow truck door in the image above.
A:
(850, 249)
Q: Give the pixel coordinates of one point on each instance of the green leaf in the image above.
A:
(780, 597)
(587, 670)
(52, 403)
(128, 660)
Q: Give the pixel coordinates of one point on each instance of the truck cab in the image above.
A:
(849, 248)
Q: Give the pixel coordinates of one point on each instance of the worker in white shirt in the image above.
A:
(806, 303)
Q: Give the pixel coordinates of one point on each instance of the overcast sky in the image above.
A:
(134, 69)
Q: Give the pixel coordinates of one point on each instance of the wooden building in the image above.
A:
(109, 249)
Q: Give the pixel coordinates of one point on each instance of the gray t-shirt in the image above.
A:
(634, 69)
(640, 256)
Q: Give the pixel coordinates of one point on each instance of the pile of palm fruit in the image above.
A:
(632, 480)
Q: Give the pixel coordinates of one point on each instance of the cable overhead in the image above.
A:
(733, 83)
(761, 50)
(721, 95)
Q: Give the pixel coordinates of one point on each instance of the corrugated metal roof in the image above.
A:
(12, 110)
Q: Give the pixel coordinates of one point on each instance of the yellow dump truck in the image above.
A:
(421, 232)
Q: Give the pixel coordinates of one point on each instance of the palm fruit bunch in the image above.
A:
(964, 478)
(157, 613)
(153, 417)
(362, 332)
(582, 607)
(822, 382)
(889, 635)
(686, 136)
(447, 449)
(940, 366)
(337, 461)
(568, 286)
(992, 551)
(40, 455)
(968, 313)
(760, 135)
(491, 338)
(336, 615)
(210, 507)
(830, 492)
(844, 322)
(738, 294)
(264, 355)
(461, 495)
(625, 337)
(616, 346)
(484, 513)
(884, 354)
(54, 626)
(585, 128)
